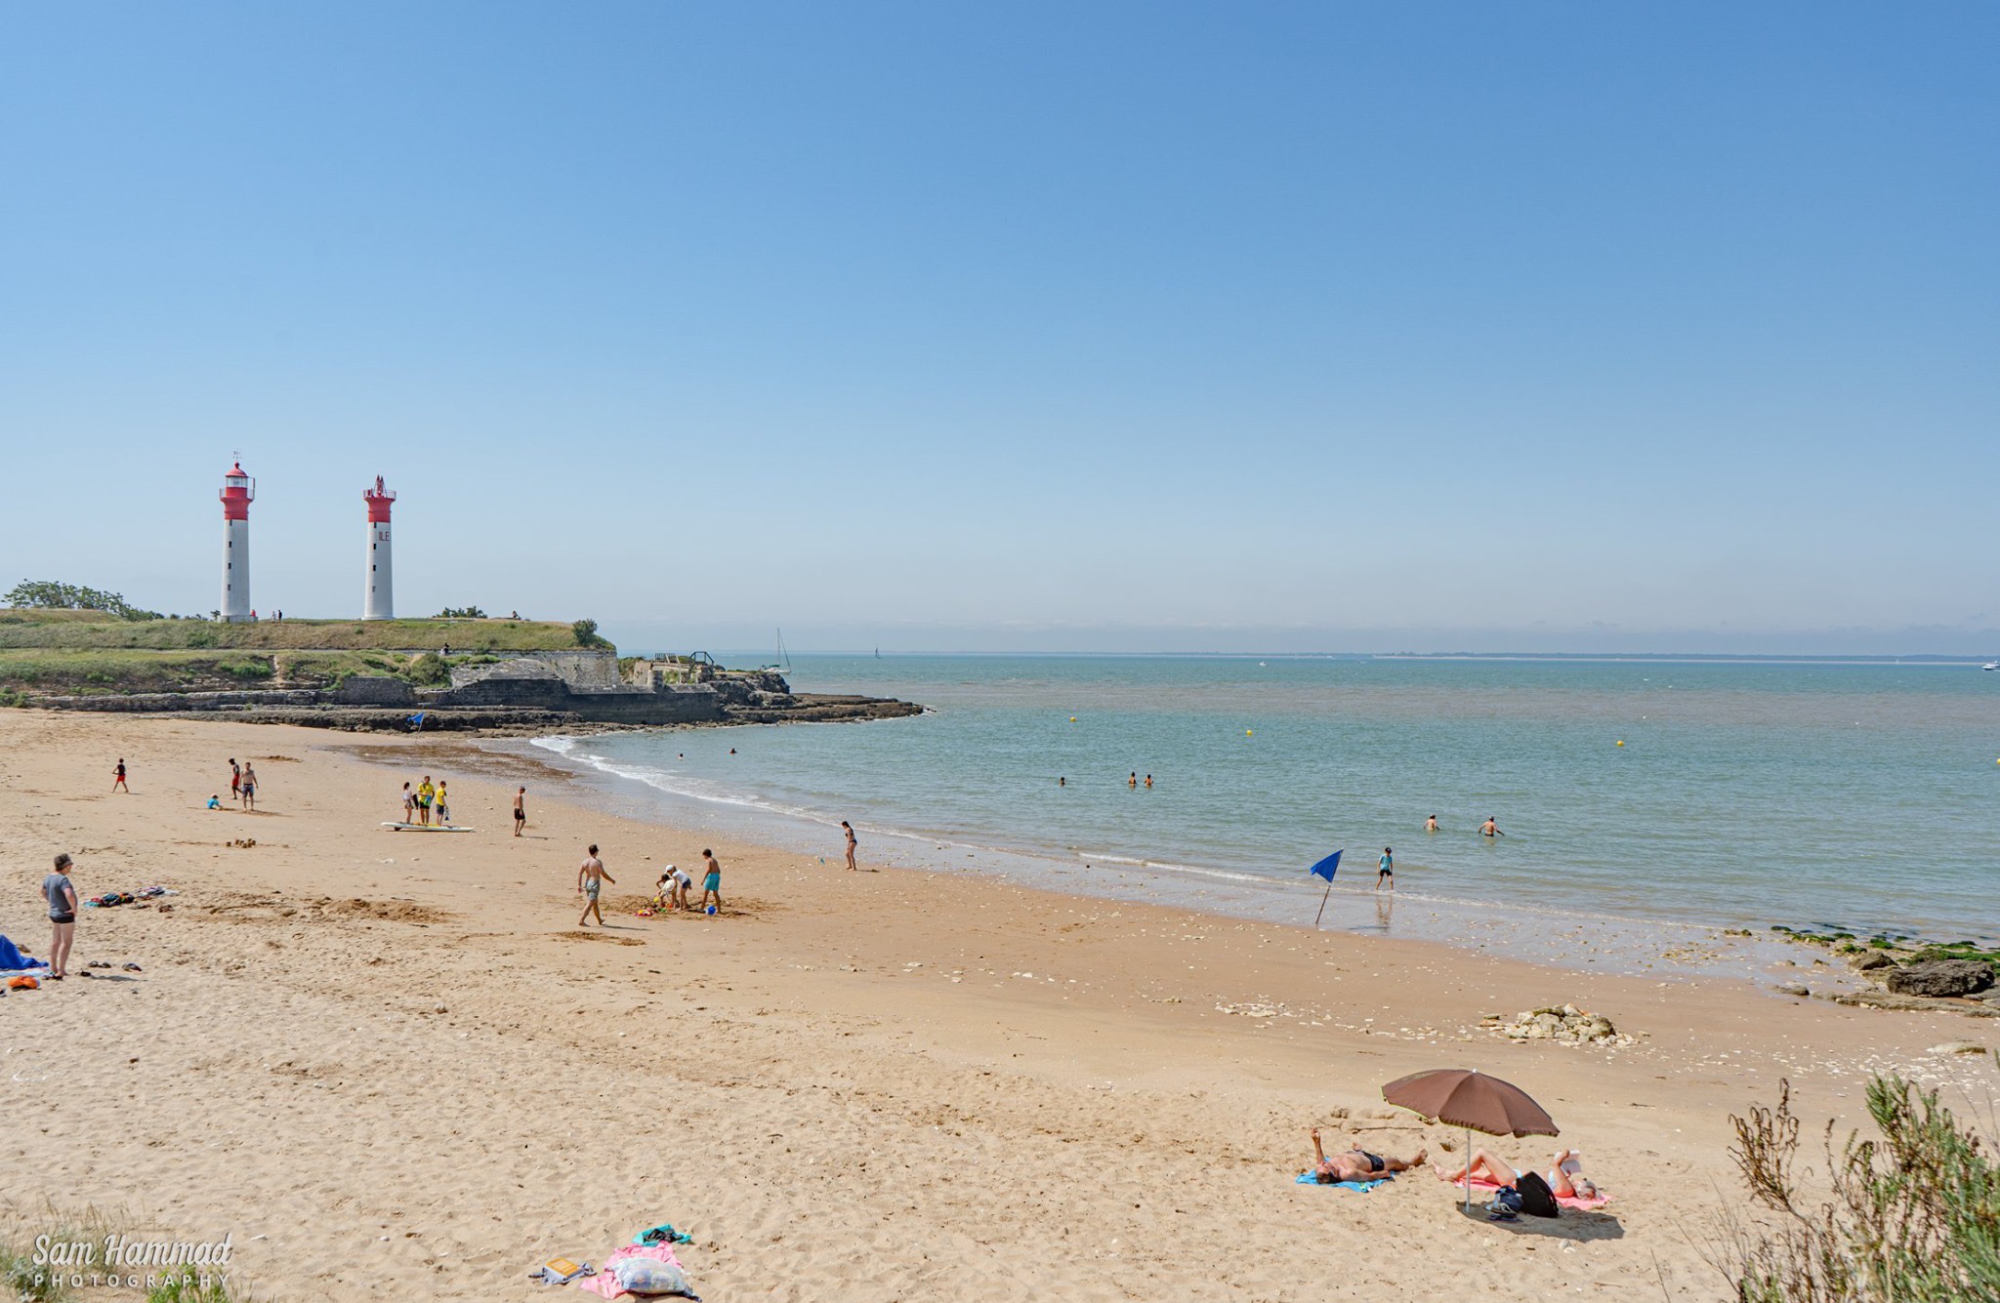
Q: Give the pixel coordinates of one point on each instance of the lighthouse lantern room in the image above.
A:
(379, 599)
(238, 490)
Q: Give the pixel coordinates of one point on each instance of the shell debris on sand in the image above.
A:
(1563, 1024)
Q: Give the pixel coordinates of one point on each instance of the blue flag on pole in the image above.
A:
(1327, 867)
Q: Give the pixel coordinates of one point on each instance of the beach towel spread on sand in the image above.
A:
(13, 961)
(605, 1283)
(1597, 1200)
(1312, 1178)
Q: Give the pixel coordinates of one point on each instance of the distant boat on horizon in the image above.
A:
(1991, 665)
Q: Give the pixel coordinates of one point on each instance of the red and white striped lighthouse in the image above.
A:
(238, 490)
(380, 600)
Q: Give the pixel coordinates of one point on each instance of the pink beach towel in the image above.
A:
(605, 1283)
(1597, 1200)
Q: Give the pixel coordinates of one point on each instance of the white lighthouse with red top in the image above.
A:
(380, 602)
(238, 490)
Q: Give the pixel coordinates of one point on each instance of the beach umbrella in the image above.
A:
(1326, 868)
(1466, 1097)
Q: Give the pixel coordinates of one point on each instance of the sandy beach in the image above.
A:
(389, 1063)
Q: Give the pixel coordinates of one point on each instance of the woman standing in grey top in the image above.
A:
(61, 896)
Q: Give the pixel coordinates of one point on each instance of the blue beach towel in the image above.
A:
(13, 961)
(1309, 1178)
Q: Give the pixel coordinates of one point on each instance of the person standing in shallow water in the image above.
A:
(848, 828)
(1490, 828)
(1385, 870)
(1430, 823)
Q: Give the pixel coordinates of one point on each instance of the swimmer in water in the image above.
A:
(1490, 828)
(1431, 823)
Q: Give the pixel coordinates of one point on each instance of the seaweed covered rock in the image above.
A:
(1941, 977)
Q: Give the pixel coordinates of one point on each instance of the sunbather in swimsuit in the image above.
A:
(1566, 1179)
(1357, 1164)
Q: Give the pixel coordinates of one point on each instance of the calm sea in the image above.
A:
(1861, 796)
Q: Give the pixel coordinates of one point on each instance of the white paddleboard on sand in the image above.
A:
(426, 827)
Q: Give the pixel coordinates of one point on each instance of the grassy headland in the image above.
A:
(74, 630)
(61, 653)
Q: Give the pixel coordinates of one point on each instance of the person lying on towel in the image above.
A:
(1565, 1177)
(1357, 1164)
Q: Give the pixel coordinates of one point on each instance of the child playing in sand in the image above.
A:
(711, 881)
(590, 879)
(674, 886)
(1357, 1164)
(215, 801)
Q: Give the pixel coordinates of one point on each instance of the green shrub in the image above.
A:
(250, 668)
(428, 670)
(1912, 1218)
(586, 634)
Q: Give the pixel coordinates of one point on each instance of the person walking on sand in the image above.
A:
(1385, 871)
(520, 810)
(848, 828)
(235, 780)
(1357, 1164)
(60, 894)
(118, 777)
(250, 787)
(711, 881)
(1490, 828)
(590, 879)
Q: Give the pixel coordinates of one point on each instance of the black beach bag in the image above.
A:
(1537, 1200)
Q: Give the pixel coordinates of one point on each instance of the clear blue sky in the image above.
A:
(1059, 326)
